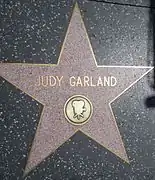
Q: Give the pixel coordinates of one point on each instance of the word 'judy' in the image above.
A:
(79, 81)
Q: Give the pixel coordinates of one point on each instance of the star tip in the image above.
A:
(76, 6)
(150, 68)
(76, 3)
(25, 173)
(128, 161)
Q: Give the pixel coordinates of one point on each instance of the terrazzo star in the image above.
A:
(76, 59)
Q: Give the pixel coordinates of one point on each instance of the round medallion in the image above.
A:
(78, 110)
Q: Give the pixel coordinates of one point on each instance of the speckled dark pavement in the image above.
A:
(120, 35)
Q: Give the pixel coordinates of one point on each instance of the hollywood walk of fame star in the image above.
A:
(76, 59)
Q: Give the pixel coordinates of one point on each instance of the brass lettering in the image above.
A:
(106, 81)
(79, 82)
(59, 80)
(113, 81)
(86, 81)
(91, 82)
(72, 81)
(52, 81)
(44, 81)
(99, 82)
(39, 81)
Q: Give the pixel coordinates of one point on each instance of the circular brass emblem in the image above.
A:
(78, 109)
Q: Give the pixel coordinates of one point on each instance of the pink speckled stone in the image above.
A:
(76, 59)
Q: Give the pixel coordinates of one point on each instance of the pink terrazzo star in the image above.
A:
(76, 59)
